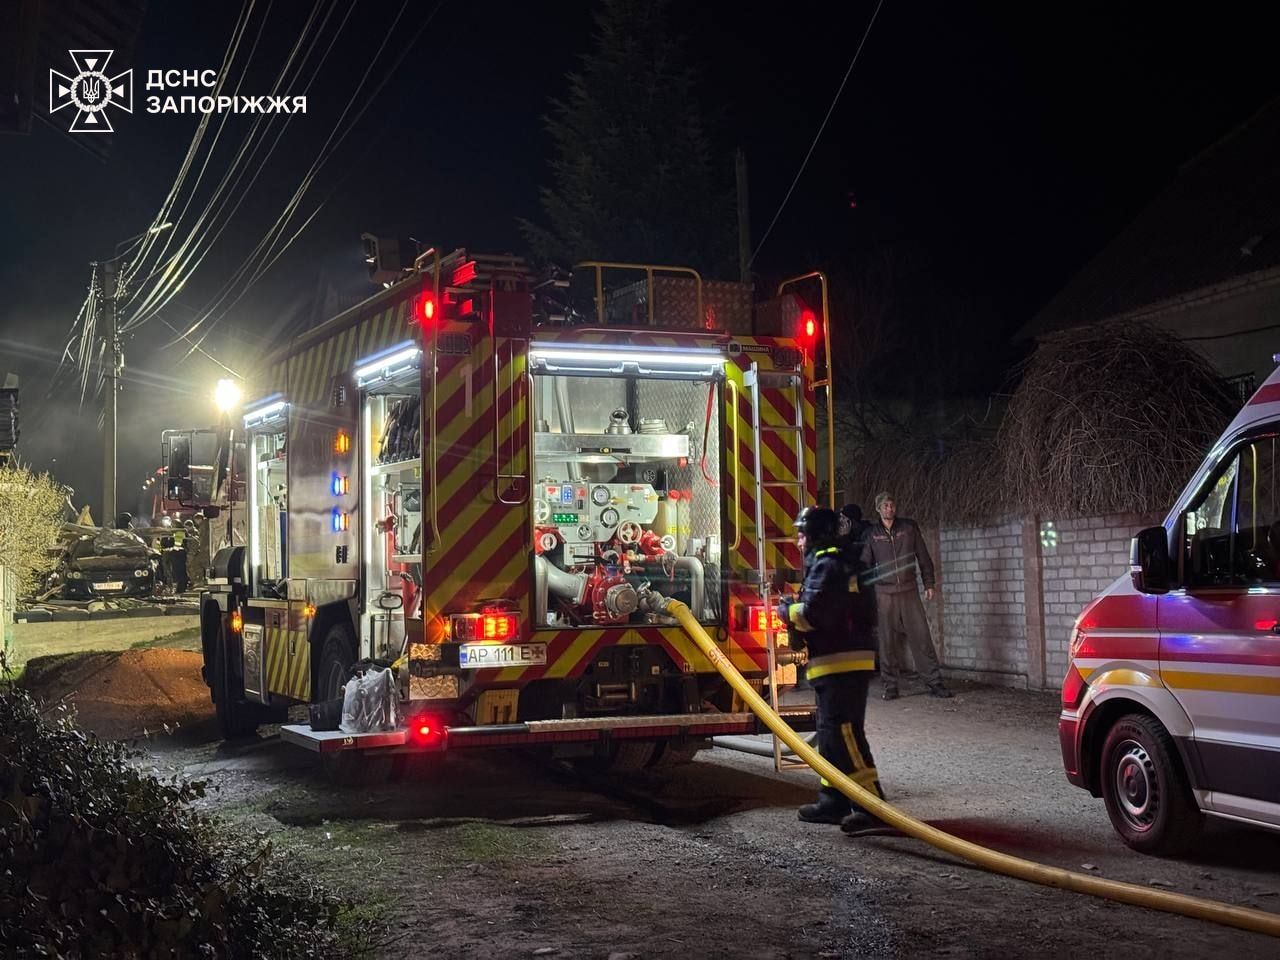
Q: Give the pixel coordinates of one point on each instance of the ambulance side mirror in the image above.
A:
(1149, 565)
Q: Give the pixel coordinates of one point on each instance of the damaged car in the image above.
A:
(108, 563)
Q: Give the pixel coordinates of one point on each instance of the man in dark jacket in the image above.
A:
(893, 552)
(841, 661)
(853, 534)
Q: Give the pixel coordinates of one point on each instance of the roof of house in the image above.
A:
(1218, 221)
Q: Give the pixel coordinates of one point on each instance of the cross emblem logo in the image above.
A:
(91, 91)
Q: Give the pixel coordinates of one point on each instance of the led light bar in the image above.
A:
(691, 362)
(384, 366)
(270, 408)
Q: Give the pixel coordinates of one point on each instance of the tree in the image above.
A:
(30, 516)
(633, 177)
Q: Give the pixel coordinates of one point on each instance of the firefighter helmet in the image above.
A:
(818, 523)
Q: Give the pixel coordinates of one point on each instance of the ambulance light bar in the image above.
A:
(389, 364)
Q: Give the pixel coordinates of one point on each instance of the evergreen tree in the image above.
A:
(634, 176)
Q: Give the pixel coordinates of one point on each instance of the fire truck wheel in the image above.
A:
(1146, 791)
(236, 719)
(333, 666)
(672, 753)
(356, 768)
(626, 756)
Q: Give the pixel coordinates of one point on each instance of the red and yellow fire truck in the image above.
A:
(454, 482)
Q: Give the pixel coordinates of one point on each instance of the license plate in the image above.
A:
(481, 656)
(110, 585)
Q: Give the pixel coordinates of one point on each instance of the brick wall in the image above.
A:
(983, 625)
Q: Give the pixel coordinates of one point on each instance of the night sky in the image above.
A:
(1000, 146)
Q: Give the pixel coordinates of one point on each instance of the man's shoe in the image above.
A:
(938, 690)
(823, 812)
(890, 693)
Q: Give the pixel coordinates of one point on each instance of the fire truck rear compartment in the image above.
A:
(625, 496)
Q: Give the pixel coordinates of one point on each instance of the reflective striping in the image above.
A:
(840, 663)
(795, 613)
(1261, 685)
(1128, 678)
(483, 552)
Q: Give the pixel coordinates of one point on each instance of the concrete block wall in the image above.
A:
(1081, 558)
(983, 626)
(983, 602)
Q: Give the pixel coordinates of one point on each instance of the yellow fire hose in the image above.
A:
(1246, 918)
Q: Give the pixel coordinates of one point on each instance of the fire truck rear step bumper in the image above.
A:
(540, 731)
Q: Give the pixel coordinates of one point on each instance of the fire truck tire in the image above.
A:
(1145, 788)
(236, 718)
(626, 756)
(333, 666)
(672, 753)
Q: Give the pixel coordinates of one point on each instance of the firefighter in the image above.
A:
(841, 661)
(192, 544)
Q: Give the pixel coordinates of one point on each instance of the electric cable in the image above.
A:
(818, 135)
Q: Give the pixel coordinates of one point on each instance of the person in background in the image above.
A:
(853, 533)
(895, 553)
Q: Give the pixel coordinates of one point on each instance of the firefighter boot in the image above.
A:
(859, 821)
(832, 807)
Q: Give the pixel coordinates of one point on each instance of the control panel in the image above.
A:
(589, 513)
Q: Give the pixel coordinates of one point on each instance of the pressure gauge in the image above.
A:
(547, 541)
(599, 495)
(541, 510)
(609, 517)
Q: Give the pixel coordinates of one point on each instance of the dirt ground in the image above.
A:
(496, 855)
(32, 640)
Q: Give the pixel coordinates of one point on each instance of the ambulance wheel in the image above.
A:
(236, 718)
(357, 768)
(1146, 791)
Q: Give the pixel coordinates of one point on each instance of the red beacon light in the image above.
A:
(809, 325)
(426, 312)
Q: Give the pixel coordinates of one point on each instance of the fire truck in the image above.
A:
(461, 482)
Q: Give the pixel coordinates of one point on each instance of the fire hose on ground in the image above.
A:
(1246, 918)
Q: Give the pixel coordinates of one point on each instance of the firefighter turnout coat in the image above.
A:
(824, 617)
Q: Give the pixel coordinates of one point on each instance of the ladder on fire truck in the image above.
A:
(791, 432)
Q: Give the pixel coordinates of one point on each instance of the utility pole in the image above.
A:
(108, 289)
(744, 219)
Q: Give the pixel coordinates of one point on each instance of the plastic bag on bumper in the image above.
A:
(370, 703)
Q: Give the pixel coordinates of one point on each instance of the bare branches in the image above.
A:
(1109, 419)
(1106, 419)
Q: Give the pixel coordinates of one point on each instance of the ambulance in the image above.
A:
(1171, 701)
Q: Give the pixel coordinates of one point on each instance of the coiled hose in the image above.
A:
(1246, 918)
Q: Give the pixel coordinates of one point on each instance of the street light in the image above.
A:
(226, 395)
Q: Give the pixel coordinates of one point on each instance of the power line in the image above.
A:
(330, 146)
(201, 236)
(818, 135)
